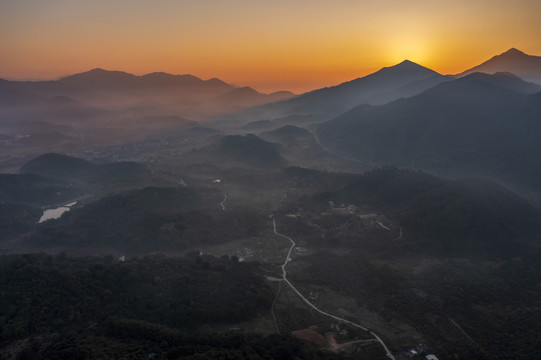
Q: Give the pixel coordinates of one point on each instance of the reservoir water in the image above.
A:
(56, 212)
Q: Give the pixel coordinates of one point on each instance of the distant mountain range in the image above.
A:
(407, 114)
(403, 80)
(156, 92)
(388, 84)
(194, 98)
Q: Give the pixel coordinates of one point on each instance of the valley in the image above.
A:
(391, 216)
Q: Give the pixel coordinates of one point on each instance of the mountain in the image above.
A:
(385, 85)
(100, 78)
(156, 93)
(508, 81)
(12, 97)
(388, 84)
(478, 125)
(106, 81)
(246, 96)
(528, 67)
(27, 101)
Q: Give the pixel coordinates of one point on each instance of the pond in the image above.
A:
(56, 212)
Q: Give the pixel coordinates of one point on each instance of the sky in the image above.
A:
(271, 45)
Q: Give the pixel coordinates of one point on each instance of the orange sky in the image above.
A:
(271, 45)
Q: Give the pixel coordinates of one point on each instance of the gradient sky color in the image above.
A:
(297, 45)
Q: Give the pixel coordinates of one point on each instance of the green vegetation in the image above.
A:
(17, 219)
(150, 219)
(467, 218)
(416, 258)
(494, 303)
(99, 307)
(57, 292)
(472, 217)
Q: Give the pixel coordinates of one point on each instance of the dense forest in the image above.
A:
(454, 260)
(81, 307)
(496, 304)
(149, 219)
(469, 217)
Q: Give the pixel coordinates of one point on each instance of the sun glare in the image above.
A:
(408, 47)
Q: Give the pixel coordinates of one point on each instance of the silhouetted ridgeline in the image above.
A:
(63, 167)
(514, 61)
(479, 125)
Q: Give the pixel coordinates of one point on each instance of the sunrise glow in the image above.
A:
(294, 45)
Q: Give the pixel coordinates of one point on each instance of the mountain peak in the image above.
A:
(97, 70)
(513, 52)
(245, 90)
(527, 67)
(99, 75)
(406, 67)
(408, 62)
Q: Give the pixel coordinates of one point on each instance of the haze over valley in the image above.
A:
(388, 211)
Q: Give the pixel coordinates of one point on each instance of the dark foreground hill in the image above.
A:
(154, 307)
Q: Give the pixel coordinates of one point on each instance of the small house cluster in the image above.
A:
(420, 351)
(342, 208)
(245, 254)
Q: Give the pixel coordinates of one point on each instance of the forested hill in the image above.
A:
(154, 303)
(64, 167)
(149, 219)
(469, 217)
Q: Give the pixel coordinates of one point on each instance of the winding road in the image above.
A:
(222, 204)
(284, 279)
